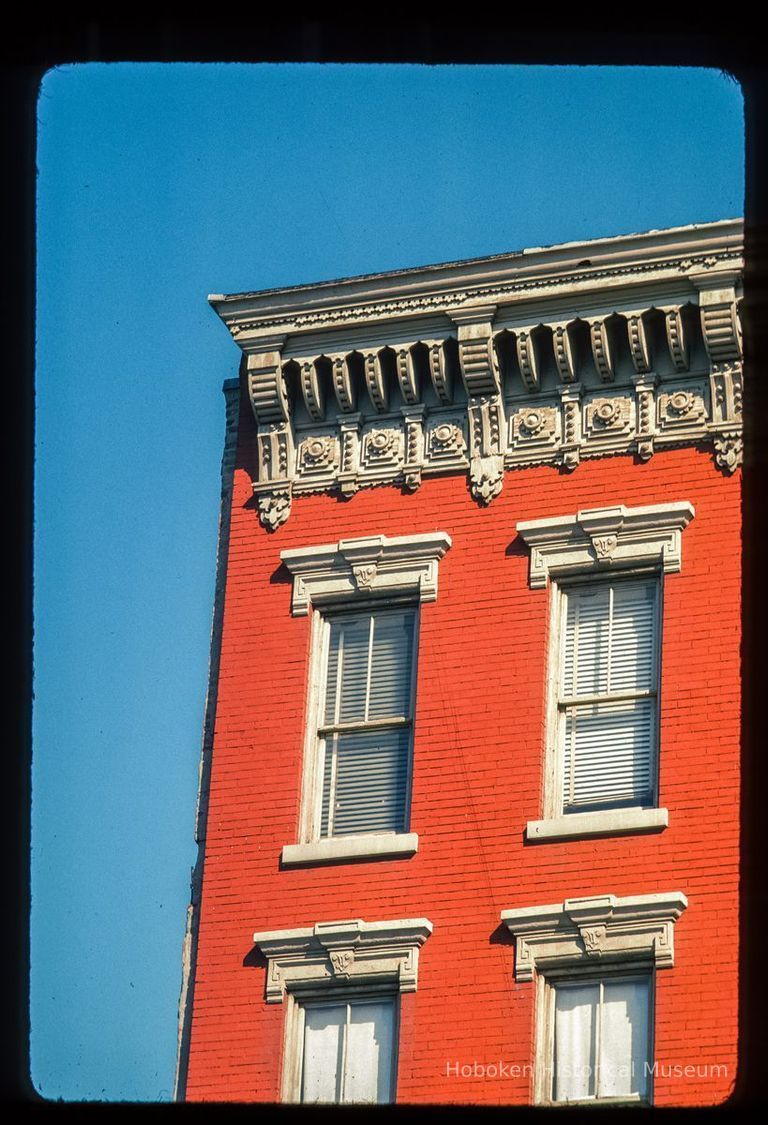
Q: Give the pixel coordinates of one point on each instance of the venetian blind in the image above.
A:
(608, 695)
(367, 723)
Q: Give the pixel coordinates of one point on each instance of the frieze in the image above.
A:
(318, 453)
(682, 409)
(382, 448)
(534, 430)
(446, 440)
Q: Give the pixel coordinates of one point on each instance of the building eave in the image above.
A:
(508, 277)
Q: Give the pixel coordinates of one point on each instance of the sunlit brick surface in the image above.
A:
(478, 765)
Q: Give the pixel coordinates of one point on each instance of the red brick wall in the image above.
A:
(478, 765)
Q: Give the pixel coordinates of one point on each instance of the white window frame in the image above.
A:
(314, 755)
(355, 576)
(293, 1046)
(556, 822)
(546, 992)
(595, 544)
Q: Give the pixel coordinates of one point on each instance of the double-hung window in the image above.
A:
(366, 596)
(365, 724)
(348, 1050)
(607, 696)
(605, 569)
(600, 1036)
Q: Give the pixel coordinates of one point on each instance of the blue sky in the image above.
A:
(159, 184)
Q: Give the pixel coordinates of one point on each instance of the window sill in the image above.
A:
(627, 1100)
(613, 822)
(375, 846)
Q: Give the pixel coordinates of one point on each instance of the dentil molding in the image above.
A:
(601, 929)
(343, 953)
(375, 565)
(547, 356)
(602, 538)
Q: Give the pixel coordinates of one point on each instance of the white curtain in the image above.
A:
(368, 1075)
(624, 1038)
(348, 1052)
(601, 1040)
(323, 1040)
(575, 1011)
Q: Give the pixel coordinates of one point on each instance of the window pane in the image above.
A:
(632, 628)
(585, 658)
(609, 638)
(323, 1036)
(371, 782)
(347, 679)
(574, 1062)
(623, 1039)
(609, 754)
(368, 1074)
(392, 656)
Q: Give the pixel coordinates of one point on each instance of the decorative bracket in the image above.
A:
(563, 352)
(485, 408)
(638, 342)
(527, 359)
(601, 348)
(602, 927)
(413, 421)
(719, 322)
(274, 433)
(330, 953)
(376, 565)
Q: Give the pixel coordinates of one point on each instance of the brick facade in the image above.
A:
(477, 779)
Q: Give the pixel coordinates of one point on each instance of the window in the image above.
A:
(365, 724)
(366, 594)
(341, 982)
(348, 1050)
(605, 568)
(606, 737)
(594, 962)
(599, 1039)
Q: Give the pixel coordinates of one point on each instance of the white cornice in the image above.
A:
(357, 568)
(437, 287)
(604, 539)
(546, 356)
(342, 953)
(600, 928)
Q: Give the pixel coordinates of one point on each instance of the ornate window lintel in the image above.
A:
(376, 564)
(344, 953)
(602, 929)
(602, 538)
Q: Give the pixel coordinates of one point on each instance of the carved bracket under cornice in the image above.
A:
(404, 566)
(602, 928)
(602, 538)
(275, 447)
(485, 407)
(337, 953)
(548, 357)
